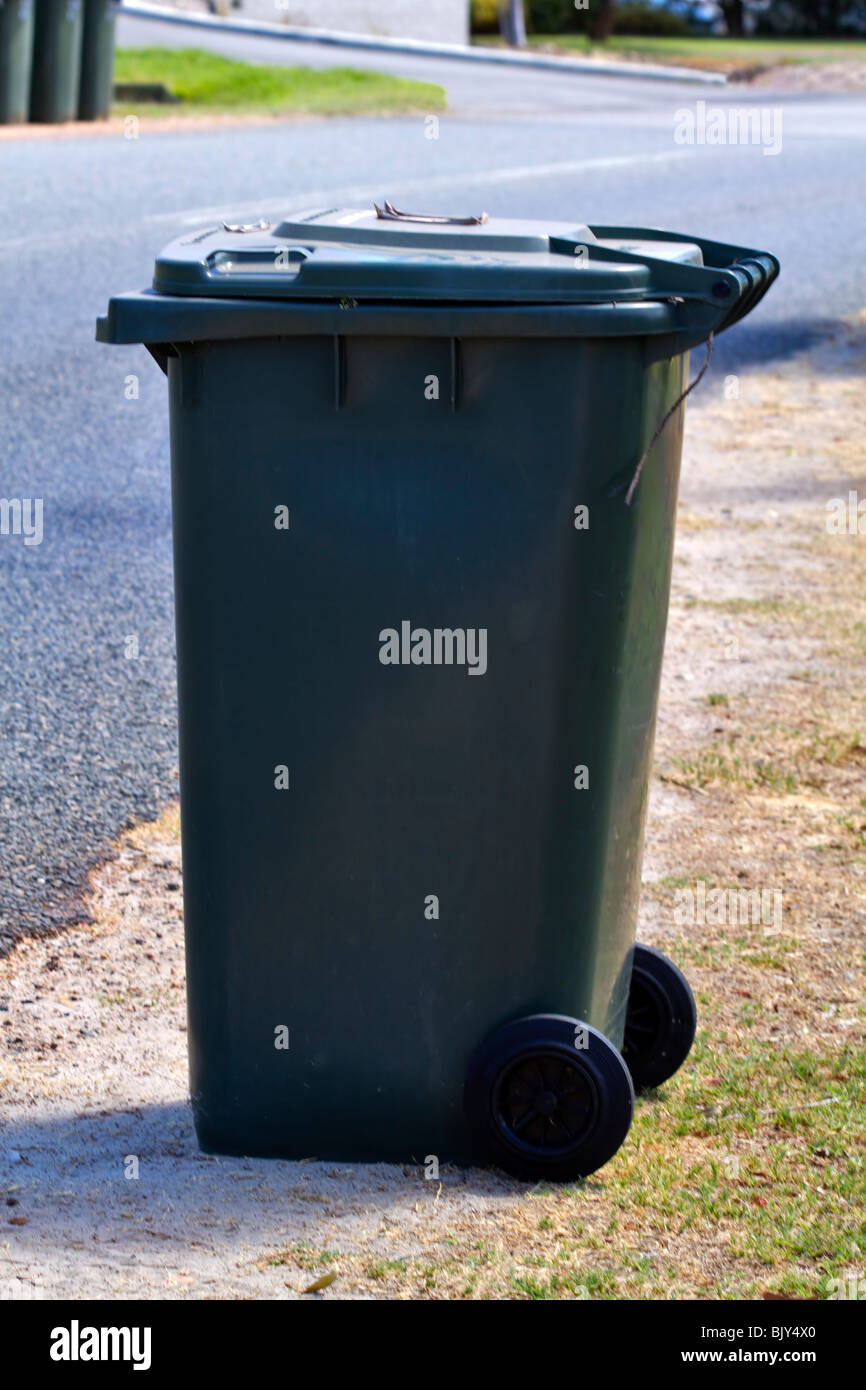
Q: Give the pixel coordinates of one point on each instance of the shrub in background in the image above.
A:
(561, 17)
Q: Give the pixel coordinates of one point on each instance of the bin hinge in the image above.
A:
(732, 279)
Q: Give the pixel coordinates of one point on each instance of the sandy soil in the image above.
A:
(153, 120)
(845, 75)
(848, 76)
(93, 1076)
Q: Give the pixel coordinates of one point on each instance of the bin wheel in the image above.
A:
(660, 1019)
(548, 1097)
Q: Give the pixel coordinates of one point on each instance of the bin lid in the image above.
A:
(381, 253)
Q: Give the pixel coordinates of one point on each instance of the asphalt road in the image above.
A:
(89, 733)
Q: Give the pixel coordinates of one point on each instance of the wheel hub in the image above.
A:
(544, 1101)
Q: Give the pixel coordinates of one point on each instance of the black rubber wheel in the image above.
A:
(660, 1019)
(548, 1097)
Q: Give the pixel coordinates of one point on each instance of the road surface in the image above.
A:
(89, 730)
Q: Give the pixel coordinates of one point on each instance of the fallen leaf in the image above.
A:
(322, 1283)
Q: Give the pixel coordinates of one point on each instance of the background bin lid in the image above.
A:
(382, 254)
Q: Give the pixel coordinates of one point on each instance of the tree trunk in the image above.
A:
(601, 21)
(512, 22)
(733, 13)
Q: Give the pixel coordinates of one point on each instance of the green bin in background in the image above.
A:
(16, 55)
(420, 635)
(97, 59)
(56, 60)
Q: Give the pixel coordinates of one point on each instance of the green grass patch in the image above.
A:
(786, 1170)
(304, 1254)
(668, 884)
(563, 1284)
(206, 83)
(723, 950)
(715, 764)
(379, 1269)
(768, 604)
(797, 760)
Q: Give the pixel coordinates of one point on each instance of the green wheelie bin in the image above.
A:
(97, 59)
(420, 617)
(16, 56)
(56, 61)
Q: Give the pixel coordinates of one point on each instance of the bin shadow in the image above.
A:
(120, 1195)
(766, 343)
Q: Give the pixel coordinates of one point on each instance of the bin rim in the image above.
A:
(156, 320)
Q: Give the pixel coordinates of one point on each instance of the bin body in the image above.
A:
(407, 781)
(420, 636)
(97, 59)
(16, 56)
(56, 60)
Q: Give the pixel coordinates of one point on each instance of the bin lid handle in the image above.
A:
(260, 226)
(388, 213)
